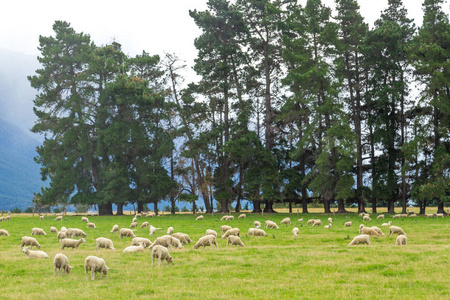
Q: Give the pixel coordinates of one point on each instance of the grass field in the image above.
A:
(317, 264)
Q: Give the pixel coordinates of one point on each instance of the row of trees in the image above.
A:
(294, 103)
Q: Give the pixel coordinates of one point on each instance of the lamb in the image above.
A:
(170, 230)
(145, 224)
(104, 243)
(53, 229)
(429, 215)
(257, 224)
(34, 253)
(286, 221)
(348, 224)
(271, 224)
(224, 228)
(396, 230)
(397, 216)
(140, 248)
(61, 262)
(401, 240)
(4, 232)
(207, 240)
(224, 218)
(317, 223)
(330, 220)
(61, 235)
(230, 218)
(125, 232)
(199, 218)
(327, 226)
(29, 241)
(95, 265)
(367, 230)
(367, 218)
(234, 240)
(242, 216)
(256, 232)
(134, 220)
(380, 216)
(84, 219)
(360, 239)
(59, 218)
(135, 241)
(378, 230)
(387, 224)
(167, 241)
(77, 232)
(153, 230)
(133, 224)
(41, 218)
(210, 231)
(70, 243)
(161, 253)
(91, 225)
(310, 221)
(300, 220)
(114, 228)
(439, 215)
(295, 231)
(232, 231)
(37, 231)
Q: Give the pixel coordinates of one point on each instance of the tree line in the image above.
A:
(295, 103)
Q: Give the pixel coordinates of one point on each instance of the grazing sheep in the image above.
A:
(396, 230)
(61, 262)
(125, 232)
(150, 214)
(145, 224)
(77, 232)
(210, 231)
(114, 228)
(295, 232)
(53, 229)
(161, 253)
(387, 224)
(271, 224)
(257, 224)
(230, 218)
(256, 232)
(91, 225)
(367, 230)
(170, 231)
(34, 253)
(232, 231)
(439, 215)
(367, 218)
(41, 218)
(104, 243)
(63, 228)
(234, 240)
(242, 216)
(360, 239)
(207, 240)
(348, 224)
(404, 215)
(199, 218)
(29, 241)
(38, 231)
(412, 215)
(138, 215)
(300, 220)
(95, 265)
(4, 232)
(286, 221)
(429, 215)
(378, 230)
(135, 241)
(327, 226)
(330, 220)
(361, 214)
(70, 243)
(380, 216)
(153, 230)
(400, 240)
(133, 224)
(84, 219)
(224, 228)
(134, 220)
(8, 218)
(140, 248)
(397, 216)
(224, 218)
(310, 221)
(59, 218)
(61, 235)
(317, 223)
(167, 241)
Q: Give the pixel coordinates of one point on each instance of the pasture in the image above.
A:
(317, 264)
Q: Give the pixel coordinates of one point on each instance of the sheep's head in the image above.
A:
(68, 269)
(83, 240)
(25, 250)
(169, 259)
(105, 271)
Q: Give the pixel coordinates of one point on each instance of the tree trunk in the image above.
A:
(105, 209)
(155, 207)
(440, 208)
(119, 209)
(256, 206)
(290, 205)
(224, 206)
(304, 201)
(269, 207)
(374, 205)
(341, 207)
(391, 207)
(140, 206)
(326, 206)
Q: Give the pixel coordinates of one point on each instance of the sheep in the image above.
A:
(114, 228)
(400, 240)
(230, 218)
(138, 215)
(295, 231)
(61, 235)
(286, 221)
(210, 231)
(104, 243)
(429, 215)
(232, 231)
(257, 224)
(270, 224)
(150, 214)
(140, 248)
(367, 230)
(153, 230)
(59, 218)
(91, 225)
(125, 232)
(207, 240)
(70, 243)
(161, 253)
(378, 230)
(397, 216)
(61, 262)
(224, 228)
(41, 218)
(412, 215)
(387, 224)
(224, 218)
(170, 231)
(167, 241)
(380, 216)
(4, 232)
(348, 224)
(367, 218)
(199, 218)
(135, 241)
(327, 226)
(439, 215)
(145, 224)
(95, 265)
(77, 232)
(234, 240)
(310, 221)
(242, 216)
(29, 241)
(317, 223)
(300, 220)
(134, 220)
(37, 231)
(396, 230)
(34, 253)
(53, 229)
(84, 219)
(330, 220)
(133, 224)
(2, 219)
(63, 228)
(256, 232)
(360, 239)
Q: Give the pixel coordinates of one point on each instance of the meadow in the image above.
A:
(317, 264)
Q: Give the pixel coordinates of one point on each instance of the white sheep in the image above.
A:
(367, 218)
(256, 232)
(295, 231)
(59, 218)
(317, 223)
(167, 241)
(91, 225)
(300, 220)
(29, 241)
(102, 242)
(199, 218)
(330, 220)
(139, 215)
(224, 218)
(140, 248)
(429, 215)
(210, 231)
(234, 240)
(400, 240)
(37, 231)
(387, 224)
(327, 226)
(184, 238)
(397, 216)
(134, 220)
(441, 215)
(207, 240)
(145, 224)
(232, 231)
(4, 232)
(61, 262)
(114, 228)
(41, 218)
(360, 239)
(270, 224)
(135, 241)
(125, 232)
(412, 215)
(95, 265)
(84, 219)
(224, 228)
(310, 222)
(257, 224)
(53, 229)
(348, 224)
(286, 221)
(367, 230)
(70, 243)
(34, 253)
(133, 224)
(242, 216)
(396, 230)
(61, 235)
(380, 216)
(170, 231)
(153, 230)
(63, 228)
(8, 218)
(161, 253)
(75, 232)
(378, 230)
(230, 218)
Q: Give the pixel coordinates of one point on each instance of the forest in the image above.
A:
(294, 104)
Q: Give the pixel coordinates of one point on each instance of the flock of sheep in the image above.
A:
(161, 245)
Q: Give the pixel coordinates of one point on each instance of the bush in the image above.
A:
(16, 210)
(28, 210)
(57, 210)
(82, 208)
(184, 209)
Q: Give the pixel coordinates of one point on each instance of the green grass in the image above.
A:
(317, 264)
